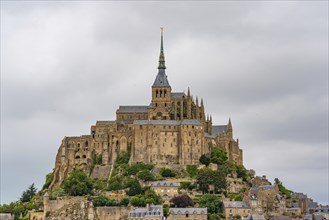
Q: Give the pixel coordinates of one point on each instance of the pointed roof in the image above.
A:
(161, 78)
(229, 125)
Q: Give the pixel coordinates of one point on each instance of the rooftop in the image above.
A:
(188, 211)
(162, 184)
(167, 122)
(132, 109)
(236, 204)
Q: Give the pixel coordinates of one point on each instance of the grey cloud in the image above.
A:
(264, 64)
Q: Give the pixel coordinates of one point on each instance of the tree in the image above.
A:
(208, 177)
(204, 178)
(28, 194)
(192, 170)
(218, 155)
(219, 181)
(204, 160)
(145, 175)
(238, 197)
(167, 172)
(212, 202)
(134, 188)
(78, 184)
(242, 172)
(228, 168)
(182, 201)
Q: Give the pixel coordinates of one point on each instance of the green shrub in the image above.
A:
(185, 185)
(204, 160)
(124, 201)
(134, 188)
(212, 202)
(135, 168)
(145, 175)
(49, 179)
(78, 184)
(192, 170)
(99, 184)
(167, 172)
(238, 197)
(116, 183)
(103, 201)
(123, 158)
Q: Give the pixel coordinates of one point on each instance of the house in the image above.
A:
(265, 199)
(187, 213)
(235, 184)
(236, 208)
(151, 212)
(166, 190)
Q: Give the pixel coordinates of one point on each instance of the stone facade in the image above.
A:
(235, 184)
(166, 190)
(151, 212)
(266, 200)
(187, 213)
(233, 209)
(172, 129)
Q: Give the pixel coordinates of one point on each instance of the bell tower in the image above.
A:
(161, 90)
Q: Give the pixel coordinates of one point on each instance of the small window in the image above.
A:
(186, 215)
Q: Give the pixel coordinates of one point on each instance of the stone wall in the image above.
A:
(112, 213)
(52, 205)
(101, 172)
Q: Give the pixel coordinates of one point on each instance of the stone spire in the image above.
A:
(188, 92)
(161, 57)
(229, 128)
(161, 78)
(229, 125)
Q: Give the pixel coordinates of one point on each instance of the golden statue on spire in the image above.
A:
(161, 29)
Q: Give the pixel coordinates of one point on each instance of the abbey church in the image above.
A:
(172, 129)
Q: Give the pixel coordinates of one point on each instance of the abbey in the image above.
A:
(172, 129)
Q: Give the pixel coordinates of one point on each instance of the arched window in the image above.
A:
(160, 93)
(156, 93)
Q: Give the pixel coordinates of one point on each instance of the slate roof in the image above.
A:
(218, 129)
(104, 122)
(267, 187)
(253, 191)
(236, 204)
(167, 122)
(162, 184)
(154, 210)
(255, 217)
(176, 95)
(132, 109)
(188, 211)
(161, 79)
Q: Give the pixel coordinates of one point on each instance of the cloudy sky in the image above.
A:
(66, 64)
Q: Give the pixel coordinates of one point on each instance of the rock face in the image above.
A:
(68, 208)
(172, 129)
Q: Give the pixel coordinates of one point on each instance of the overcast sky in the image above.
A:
(65, 65)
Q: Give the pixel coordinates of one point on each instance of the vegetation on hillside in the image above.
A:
(130, 179)
(77, 184)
